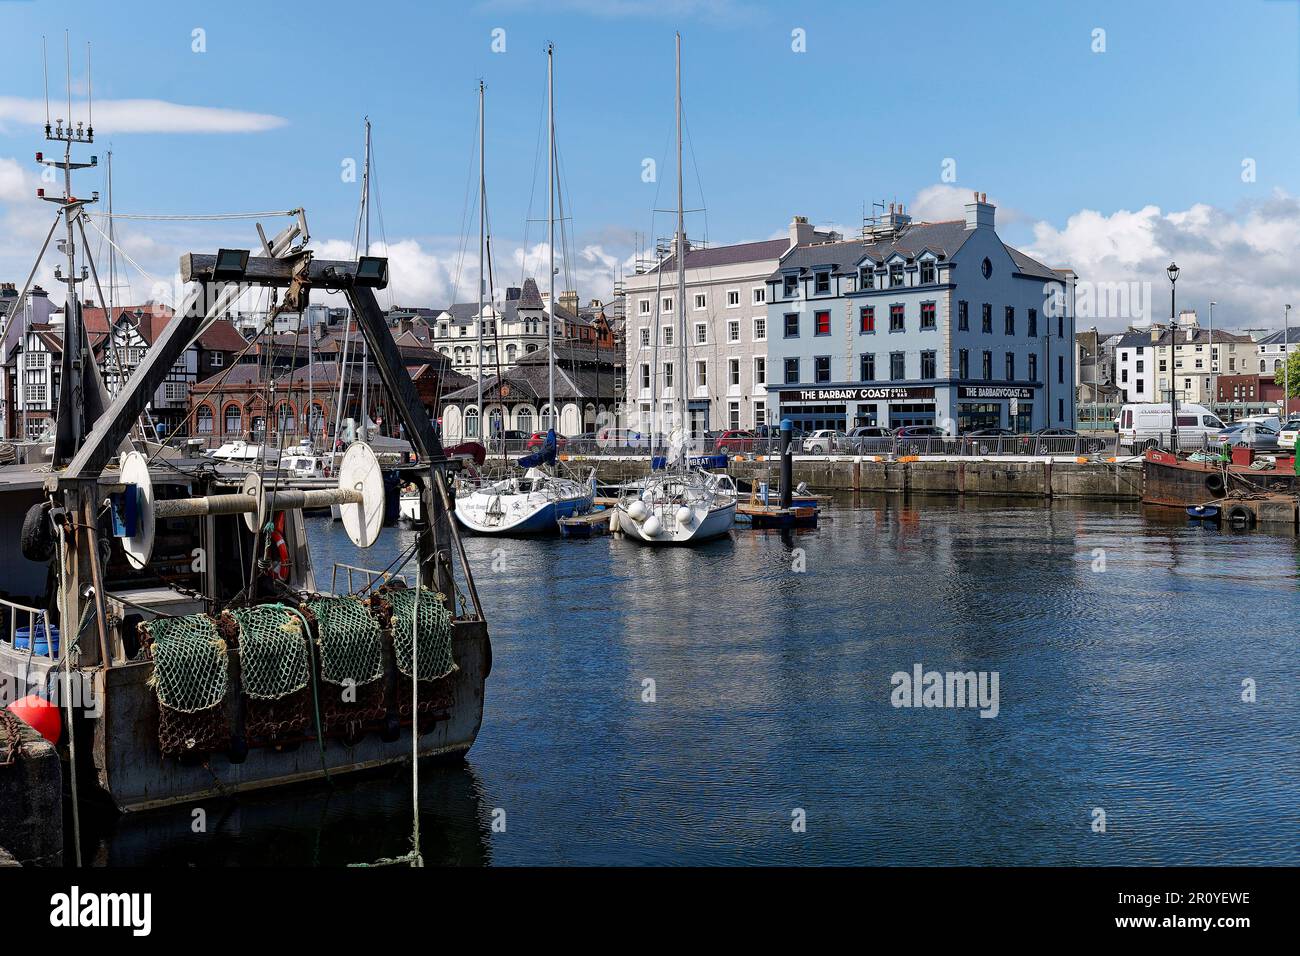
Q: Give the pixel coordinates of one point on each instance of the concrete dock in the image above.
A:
(31, 793)
(1025, 477)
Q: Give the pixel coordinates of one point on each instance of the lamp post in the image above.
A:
(1213, 355)
(1172, 271)
(1286, 364)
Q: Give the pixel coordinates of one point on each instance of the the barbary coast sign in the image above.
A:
(863, 394)
(994, 391)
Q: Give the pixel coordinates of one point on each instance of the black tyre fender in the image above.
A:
(1240, 514)
(1214, 484)
(37, 541)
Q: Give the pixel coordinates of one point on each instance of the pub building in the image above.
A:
(936, 324)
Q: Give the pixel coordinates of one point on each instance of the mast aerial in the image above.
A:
(72, 393)
(550, 225)
(679, 384)
(482, 240)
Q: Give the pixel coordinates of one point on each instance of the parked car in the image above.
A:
(735, 440)
(1250, 435)
(822, 441)
(869, 431)
(1066, 440)
(538, 439)
(1147, 425)
(919, 431)
(990, 433)
(1287, 436)
(509, 439)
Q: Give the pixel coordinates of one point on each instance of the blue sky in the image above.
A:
(1013, 92)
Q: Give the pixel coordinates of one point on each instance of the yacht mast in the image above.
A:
(679, 383)
(482, 233)
(550, 225)
(365, 351)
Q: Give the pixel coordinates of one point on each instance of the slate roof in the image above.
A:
(709, 256)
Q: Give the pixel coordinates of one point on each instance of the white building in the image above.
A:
(1149, 362)
(726, 322)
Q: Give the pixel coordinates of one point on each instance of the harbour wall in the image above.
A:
(31, 798)
(1025, 478)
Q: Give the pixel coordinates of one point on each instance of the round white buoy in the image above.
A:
(359, 471)
(637, 511)
(252, 486)
(139, 546)
(684, 515)
(651, 526)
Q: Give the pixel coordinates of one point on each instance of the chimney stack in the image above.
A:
(979, 213)
(802, 232)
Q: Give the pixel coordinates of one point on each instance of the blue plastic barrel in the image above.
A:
(46, 634)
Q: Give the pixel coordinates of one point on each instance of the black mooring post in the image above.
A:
(787, 462)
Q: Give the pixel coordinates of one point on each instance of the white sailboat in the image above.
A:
(681, 504)
(535, 502)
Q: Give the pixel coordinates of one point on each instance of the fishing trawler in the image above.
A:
(680, 504)
(535, 502)
(166, 607)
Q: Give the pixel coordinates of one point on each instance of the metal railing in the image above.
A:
(1091, 444)
(371, 577)
(12, 612)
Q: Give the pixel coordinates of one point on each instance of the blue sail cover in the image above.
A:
(544, 456)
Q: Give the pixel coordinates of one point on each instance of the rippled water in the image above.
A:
(1120, 689)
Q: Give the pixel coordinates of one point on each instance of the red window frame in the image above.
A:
(867, 319)
(822, 323)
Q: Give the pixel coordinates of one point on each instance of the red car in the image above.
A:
(538, 439)
(734, 441)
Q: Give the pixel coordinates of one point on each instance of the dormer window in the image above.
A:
(866, 278)
(791, 286)
(927, 271)
(822, 284)
(895, 274)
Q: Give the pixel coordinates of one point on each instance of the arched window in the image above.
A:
(525, 419)
(471, 422)
(284, 418)
(511, 353)
(494, 421)
(316, 426)
(203, 419)
(234, 423)
(547, 418)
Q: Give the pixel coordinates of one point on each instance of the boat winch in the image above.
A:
(359, 495)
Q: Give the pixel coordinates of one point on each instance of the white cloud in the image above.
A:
(142, 116)
(942, 201)
(1243, 259)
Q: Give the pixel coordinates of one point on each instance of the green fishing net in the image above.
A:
(435, 657)
(349, 640)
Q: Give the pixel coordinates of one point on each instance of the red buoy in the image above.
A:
(39, 714)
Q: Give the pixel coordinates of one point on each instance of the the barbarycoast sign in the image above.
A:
(994, 391)
(863, 394)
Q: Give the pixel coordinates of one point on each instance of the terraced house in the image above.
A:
(921, 324)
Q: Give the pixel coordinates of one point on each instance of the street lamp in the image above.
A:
(1286, 364)
(1172, 271)
(1213, 354)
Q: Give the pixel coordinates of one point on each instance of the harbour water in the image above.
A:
(1121, 640)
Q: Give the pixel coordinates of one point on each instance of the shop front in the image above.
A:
(844, 408)
(995, 406)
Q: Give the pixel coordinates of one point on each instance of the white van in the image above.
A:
(1147, 425)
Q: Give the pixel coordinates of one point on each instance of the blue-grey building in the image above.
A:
(921, 324)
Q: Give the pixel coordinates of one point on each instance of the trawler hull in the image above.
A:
(134, 776)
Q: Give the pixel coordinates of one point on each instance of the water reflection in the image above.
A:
(671, 705)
